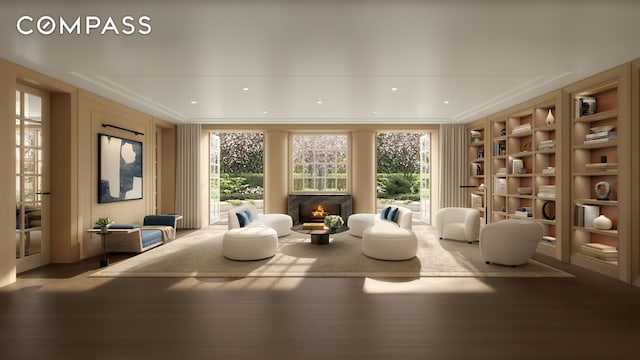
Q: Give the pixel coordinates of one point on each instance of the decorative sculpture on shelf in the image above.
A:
(603, 190)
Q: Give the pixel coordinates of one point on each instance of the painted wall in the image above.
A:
(76, 119)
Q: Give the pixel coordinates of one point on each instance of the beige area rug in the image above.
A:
(199, 254)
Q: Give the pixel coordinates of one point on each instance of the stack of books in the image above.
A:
(476, 201)
(600, 251)
(547, 191)
(602, 136)
(502, 171)
(550, 240)
(546, 144)
(521, 128)
(524, 212)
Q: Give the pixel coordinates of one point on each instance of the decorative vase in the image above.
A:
(602, 222)
(104, 230)
(333, 230)
(550, 118)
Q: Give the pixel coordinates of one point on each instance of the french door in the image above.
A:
(32, 178)
(425, 179)
(214, 178)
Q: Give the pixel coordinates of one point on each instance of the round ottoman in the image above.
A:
(250, 243)
(389, 243)
(282, 223)
(357, 223)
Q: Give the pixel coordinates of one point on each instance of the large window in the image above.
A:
(320, 163)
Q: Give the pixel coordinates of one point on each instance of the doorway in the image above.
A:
(32, 178)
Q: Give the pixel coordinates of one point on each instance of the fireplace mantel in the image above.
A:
(295, 200)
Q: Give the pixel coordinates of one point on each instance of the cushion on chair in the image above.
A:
(385, 212)
(393, 214)
(242, 218)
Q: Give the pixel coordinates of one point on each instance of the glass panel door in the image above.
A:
(214, 178)
(32, 179)
(425, 179)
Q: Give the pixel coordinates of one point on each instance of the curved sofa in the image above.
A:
(386, 237)
(281, 223)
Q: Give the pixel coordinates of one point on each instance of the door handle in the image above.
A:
(44, 193)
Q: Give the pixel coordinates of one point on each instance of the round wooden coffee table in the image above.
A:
(318, 237)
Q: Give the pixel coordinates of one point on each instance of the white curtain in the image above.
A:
(188, 189)
(453, 160)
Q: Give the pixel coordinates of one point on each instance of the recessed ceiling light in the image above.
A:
(394, 89)
(319, 102)
(375, 112)
(245, 89)
(265, 112)
(446, 101)
(193, 102)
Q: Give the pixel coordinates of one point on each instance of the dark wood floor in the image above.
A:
(58, 312)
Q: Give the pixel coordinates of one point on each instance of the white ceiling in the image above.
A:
(481, 56)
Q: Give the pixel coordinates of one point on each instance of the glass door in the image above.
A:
(214, 178)
(425, 179)
(32, 179)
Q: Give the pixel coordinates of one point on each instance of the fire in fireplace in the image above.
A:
(317, 212)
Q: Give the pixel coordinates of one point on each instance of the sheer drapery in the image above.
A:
(453, 160)
(188, 171)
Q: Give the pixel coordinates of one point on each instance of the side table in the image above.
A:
(104, 261)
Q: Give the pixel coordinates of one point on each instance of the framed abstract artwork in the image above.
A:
(119, 169)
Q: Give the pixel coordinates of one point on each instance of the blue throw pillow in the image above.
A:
(393, 214)
(384, 212)
(249, 214)
(242, 218)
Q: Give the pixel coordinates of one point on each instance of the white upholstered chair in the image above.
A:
(458, 223)
(510, 242)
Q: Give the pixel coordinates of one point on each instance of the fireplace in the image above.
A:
(317, 213)
(302, 207)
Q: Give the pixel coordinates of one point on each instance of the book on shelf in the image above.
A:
(585, 105)
(516, 166)
(476, 136)
(476, 201)
(499, 147)
(601, 166)
(600, 135)
(546, 144)
(585, 215)
(609, 136)
(500, 186)
(475, 169)
(547, 191)
(521, 128)
(600, 251)
(548, 239)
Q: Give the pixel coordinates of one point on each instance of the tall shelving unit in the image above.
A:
(609, 96)
(476, 167)
(526, 168)
(634, 256)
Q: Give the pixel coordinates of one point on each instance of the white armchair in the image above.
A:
(509, 242)
(458, 223)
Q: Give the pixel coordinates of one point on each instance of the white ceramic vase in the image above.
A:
(602, 223)
(550, 118)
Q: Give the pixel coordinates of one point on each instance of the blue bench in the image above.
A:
(129, 238)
